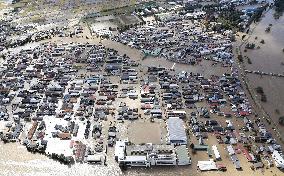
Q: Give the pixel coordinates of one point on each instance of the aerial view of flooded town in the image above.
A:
(141, 87)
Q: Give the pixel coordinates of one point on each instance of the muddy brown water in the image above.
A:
(269, 58)
(15, 160)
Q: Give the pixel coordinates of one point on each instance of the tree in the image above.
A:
(259, 90)
(262, 41)
(240, 58)
(249, 61)
(281, 120)
(279, 8)
(250, 46)
(263, 98)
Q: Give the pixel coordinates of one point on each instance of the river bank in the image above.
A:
(267, 58)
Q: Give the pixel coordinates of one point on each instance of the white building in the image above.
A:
(120, 150)
(136, 161)
(176, 131)
(144, 155)
(207, 165)
(278, 159)
(216, 152)
(230, 150)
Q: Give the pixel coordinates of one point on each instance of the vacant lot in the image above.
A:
(139, 133)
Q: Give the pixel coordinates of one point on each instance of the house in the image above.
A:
(278, 159)
(216, 152)
(180, 114)
(64, 136)
(248, 155)
(120, 150)
(32, 130)
(132, 94)
(230, 150)
(136, 161)
(79, 151)
(157, 113)
(96, 158)
(236, 161)
(207, 165)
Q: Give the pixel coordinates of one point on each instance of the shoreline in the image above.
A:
(257, 103)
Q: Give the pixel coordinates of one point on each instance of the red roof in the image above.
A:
(247, 155)
(243, 113)
(147, 106)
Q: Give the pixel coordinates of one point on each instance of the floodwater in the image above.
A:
(7, 1)
(205, 67)
(269, 58)
(16, 160)
(143, 132)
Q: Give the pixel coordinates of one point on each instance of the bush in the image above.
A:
(240, 58)
(250, 46)
(249, 61)
(268, 29)
(279, 8)
(262, 41)
(263, 98)
(259, 90)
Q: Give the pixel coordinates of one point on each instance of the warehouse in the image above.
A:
(176, 131)
(182, 155)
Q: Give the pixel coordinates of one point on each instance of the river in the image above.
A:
(269, 58)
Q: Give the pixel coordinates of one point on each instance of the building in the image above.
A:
(96, 158)
(278, 159)
(176, 131)
(207, 165)
(145, 155)
(120, 150)
(182, 155)
(32, 130)
(216, 152)
(174, 113)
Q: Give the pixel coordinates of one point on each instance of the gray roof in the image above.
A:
(182, 155)
(176, 130)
